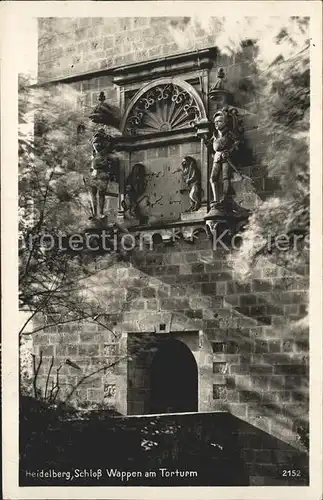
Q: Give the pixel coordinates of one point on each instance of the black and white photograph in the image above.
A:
(164, 253)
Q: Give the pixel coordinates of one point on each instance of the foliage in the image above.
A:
(54, 158)
(54, 288)
(64, 411)
(303, 432)
(284, 112)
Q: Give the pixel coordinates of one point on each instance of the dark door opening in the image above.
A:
(174, 379)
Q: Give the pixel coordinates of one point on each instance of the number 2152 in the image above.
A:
(291, 473)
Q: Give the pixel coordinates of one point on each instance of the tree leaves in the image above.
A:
(282, 106)
(53, 159)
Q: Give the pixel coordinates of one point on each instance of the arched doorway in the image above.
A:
(174, 379)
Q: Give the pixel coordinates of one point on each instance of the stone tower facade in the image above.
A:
(177, 312)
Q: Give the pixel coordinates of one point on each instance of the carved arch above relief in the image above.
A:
(164, 105)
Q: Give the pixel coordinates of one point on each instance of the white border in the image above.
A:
(9, 12)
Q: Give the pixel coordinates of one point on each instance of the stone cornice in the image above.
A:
(165, 66)
(185, 62)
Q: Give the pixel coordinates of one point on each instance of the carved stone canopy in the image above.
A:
(219, 84)
(163, 106)
(218, 92)
(104, 114)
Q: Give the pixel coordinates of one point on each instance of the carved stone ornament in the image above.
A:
(173, 235)
(109, 391)
(192, 178)
(218, 92)
(203, 128)
(225, 227)
(134, 188)
(104, 114)
(165, 107)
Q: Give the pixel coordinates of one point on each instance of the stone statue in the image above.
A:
(134, 188)
(104, 169)
(225, 143)
(192, 178)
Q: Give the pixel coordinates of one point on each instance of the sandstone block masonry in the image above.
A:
(252, 354)
(248, 340)
(69, 46)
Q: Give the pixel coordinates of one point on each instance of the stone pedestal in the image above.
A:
(194, 216)
(226, 215)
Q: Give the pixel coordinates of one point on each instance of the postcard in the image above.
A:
(162, 249)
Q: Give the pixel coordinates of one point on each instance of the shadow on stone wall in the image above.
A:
(256, 328)
(255, 347)
(268, 460)
(219, 449)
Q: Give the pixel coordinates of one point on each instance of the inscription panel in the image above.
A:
(166, 195)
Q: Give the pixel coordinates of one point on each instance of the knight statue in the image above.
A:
(225, 143)
(104, 169)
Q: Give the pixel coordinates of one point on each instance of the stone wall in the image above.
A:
(253, 358)
(71, 46)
